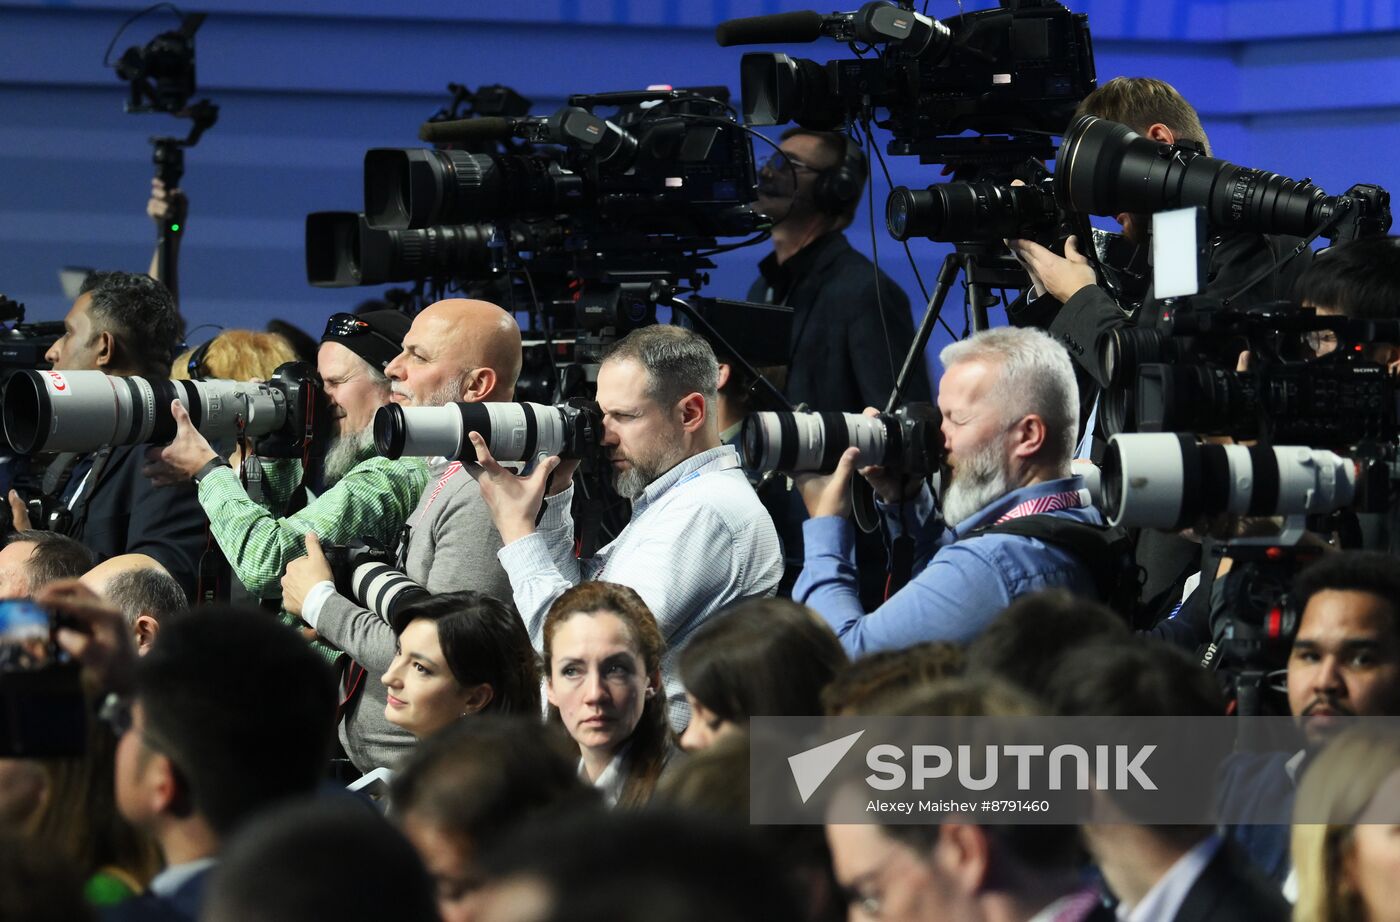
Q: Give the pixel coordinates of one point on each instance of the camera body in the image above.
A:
(369, 574)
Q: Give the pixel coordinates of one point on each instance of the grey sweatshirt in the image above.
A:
(452, 546)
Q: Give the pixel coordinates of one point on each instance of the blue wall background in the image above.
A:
(1308, 88)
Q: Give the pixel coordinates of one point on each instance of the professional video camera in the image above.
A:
(86, 410)
(1336, 400)
(24, 345)
(512, 431)
(908, 440)
(1012, 75)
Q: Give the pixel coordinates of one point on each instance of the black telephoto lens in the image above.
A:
(965, 211)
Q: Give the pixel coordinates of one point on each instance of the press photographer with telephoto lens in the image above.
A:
(366, 496)
(1010, 412)
(120, 324)
(454, 351)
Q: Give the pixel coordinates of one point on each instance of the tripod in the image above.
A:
(986, 266)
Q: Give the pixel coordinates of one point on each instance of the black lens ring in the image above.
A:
(1263, 500)
(163, 393)
(1216, 483)
(787, 441)
(532, 429)
(833, 448)
(389, 431)
(476, 417)
(1190, 507)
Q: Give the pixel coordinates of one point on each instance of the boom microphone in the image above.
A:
(800, 26)
(467, 130)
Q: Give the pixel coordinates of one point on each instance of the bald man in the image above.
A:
(456, 350)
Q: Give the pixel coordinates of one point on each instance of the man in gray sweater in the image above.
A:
(456, 350)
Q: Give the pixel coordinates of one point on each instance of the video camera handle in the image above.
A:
(708, 331)
(168, 155)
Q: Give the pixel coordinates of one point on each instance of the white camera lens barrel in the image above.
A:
(1166, 480)
(85, 410)
(223, 409)
(512, 431)
(794, 442)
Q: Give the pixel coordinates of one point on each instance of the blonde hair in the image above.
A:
(1141, 102)
(238, 355)
(1337, 787)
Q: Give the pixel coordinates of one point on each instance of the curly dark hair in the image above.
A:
(141, 314)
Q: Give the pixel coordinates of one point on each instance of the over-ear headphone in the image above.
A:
(838, 188)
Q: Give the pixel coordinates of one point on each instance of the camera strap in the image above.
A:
(1106, 551)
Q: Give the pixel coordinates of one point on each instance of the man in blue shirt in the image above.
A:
(1010, 410)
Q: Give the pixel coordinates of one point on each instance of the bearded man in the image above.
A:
(1010, 410)
(366, 496)
(698, 539)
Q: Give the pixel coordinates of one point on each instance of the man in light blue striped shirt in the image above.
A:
(698, 539)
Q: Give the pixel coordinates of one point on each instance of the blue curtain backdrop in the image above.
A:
(1307, 88)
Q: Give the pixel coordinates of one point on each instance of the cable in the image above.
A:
(875, 258)
(107, 55)
(889, 183)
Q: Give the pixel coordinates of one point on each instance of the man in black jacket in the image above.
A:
(851, 325)
(121, 324)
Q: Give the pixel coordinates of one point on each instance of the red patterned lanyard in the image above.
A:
(452, 469)
(1069, 499)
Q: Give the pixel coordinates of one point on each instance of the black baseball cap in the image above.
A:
(375, 336)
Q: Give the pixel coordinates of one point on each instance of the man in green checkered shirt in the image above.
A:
(366, 496)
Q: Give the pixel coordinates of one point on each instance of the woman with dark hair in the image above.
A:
(760, 658)
(457, 654)
(602, 660)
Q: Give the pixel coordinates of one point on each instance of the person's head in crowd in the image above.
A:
(462, 791)
(814, 186)
(1026, 641)
(302, 342)
(954, 869)
(602, 661)
(122, 323)
(1154, 109)
(657, 389)
(144, 591)
(1345, 847)
(863, 685)
(635, 866)
(37, 885)
(327, 860)
(457, 351)
(234, 355)
(715, 782)
(760, 658)
(1010, 408)
(229, 714)
(455, 655)
(1345, 657)
(1358, 279)
(34, 558)
(1135, 678)
(355, 349)
(76, 815)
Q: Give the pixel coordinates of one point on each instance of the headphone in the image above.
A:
(838, 188)
(198, 371)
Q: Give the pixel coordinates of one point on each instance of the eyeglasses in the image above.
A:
(348, 326)
(782, 160)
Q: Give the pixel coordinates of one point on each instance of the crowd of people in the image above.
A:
(499, 726)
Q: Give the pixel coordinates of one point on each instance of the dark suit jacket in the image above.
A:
(1229, 889)
(839, 358)
(124, 513)
(181, 906)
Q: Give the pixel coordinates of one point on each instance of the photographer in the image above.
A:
(1010, 412)
(698, 537)
(1069, 304)
(367, 496)
(121, 324)
(456, 350)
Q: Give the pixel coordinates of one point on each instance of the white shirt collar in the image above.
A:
(611, 782)
(169, 881)
(1164, 900)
